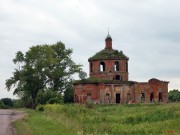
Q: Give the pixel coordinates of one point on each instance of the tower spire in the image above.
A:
(108, 41)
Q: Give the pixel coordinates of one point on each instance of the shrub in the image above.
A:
(48, 96)
(18, 103)
(89, 104)
(2, 106)
(40, 108)
(54, 100)
(174, 96)
(7, 102)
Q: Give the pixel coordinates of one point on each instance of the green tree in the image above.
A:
(174, 96)
(68, 93)
(48, 96)
(18, 103)
(42, 66)
(7, 102)
(2, 106)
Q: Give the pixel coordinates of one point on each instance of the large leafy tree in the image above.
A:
(68, 93)
(42, 66)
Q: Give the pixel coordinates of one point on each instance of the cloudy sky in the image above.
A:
(147, 31)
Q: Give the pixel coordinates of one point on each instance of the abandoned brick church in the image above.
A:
(109, 82)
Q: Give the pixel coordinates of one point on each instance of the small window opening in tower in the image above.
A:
(118, 77)
(91, 67)
(116, 66)
(126, 66)
(102, 66)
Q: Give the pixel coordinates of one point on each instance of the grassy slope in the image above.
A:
(111, 119)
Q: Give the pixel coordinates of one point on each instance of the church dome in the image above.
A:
(108, 37)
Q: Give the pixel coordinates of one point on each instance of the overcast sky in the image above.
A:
(147, 31)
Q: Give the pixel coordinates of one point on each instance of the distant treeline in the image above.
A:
(174, 95)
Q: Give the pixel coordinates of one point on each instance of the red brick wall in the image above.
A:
(108, 44)
(82, 90)
(100, 91)
(109, 72)
(153, 86)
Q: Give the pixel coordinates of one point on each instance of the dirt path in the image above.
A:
(7, 116)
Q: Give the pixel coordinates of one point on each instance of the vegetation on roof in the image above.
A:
(108, 54)
(91, 80)
(94, 80)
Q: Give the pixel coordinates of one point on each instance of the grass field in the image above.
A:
(152, 119)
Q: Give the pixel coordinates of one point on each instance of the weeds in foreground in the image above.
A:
(107, 120)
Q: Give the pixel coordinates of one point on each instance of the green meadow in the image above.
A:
(73, 119)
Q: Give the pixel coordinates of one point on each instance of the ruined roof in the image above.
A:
(108, 54)
(97, 81)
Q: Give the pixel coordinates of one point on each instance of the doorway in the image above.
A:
(118, 98)
(160, 96)
(152, 97)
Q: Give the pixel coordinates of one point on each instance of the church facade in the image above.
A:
(109, 81)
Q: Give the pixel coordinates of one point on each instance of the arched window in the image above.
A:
(116, 66)
(102, 66)
(142, 97)
(91, 67)
(126, 66)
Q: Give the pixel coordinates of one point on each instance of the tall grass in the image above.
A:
(139, 119)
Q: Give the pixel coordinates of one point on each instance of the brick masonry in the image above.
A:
(117, 88)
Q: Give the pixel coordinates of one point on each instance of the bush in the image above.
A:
(174, 96)
(54, 100)
(18, 103)
(40, 108)
(48, 96)
(89, 104)
(2, 106)
(7, 102)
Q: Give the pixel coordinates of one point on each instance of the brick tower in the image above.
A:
(109, 64)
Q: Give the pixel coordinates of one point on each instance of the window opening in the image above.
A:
(91, 67)
(128, 96)
(142, 97)
(107, 98)
(160, 96)
(126, 66)
(116, 66)
(118, 77)
(118, 98)
(152, 97)
(102, 66)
